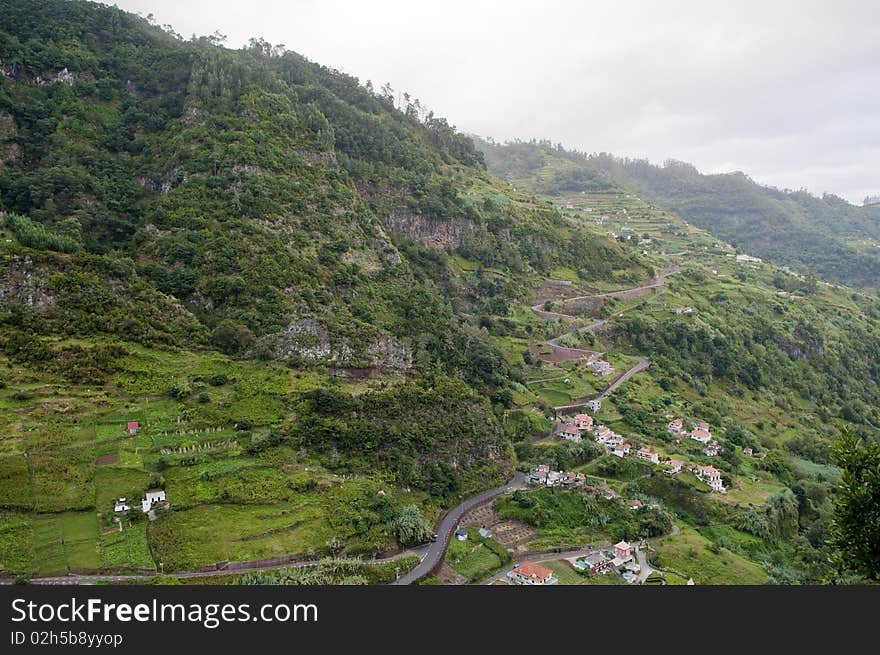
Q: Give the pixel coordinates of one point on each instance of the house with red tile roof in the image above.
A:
(570, 432)
(711, 476)
(676, 426)
(528, 573)
(622, 553)
(583, 422)
(701, 435)
(673, 466)
(648, 456)
(132, 427)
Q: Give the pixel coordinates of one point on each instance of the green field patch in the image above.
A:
(65, 542)
(693, 555)
(15, 482)
(127, 549)
(477, 557)
(16, 544)
(114, 482)
(567, 575)
(190, 538)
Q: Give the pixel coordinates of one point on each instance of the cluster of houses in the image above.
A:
(619, 559)
(542, 475)
(601, 367)
(700, 433)
(615, 444)
(151, 498)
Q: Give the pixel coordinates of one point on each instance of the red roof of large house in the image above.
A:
(701, 433)
(533, 571)
(571, 430)
(133, 425)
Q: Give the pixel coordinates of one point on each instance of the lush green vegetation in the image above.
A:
(317, 304)
(477, 557)
(332, 571)
(574, 518)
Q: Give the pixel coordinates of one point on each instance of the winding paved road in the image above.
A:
(431, 554)
(642, 364)
(437, 550)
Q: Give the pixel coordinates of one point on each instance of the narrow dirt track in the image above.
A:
(641, 365)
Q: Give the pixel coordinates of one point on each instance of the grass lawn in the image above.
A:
(689, 554)
(566, 575)
(474, 558)
(66, 542)
(127, 549)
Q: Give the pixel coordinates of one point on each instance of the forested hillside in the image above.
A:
(778, 359)
(828, 235)
(165, 199)
(314, 319)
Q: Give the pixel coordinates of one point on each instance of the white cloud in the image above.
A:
(789, 91)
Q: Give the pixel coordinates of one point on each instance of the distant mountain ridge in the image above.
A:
(836, 239)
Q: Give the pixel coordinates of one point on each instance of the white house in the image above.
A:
(571, 433)
(602, 433)
(648, 456)
(711, 450)
(676, 426)
(528, 573)
(673, 466)
(701, 435)
(622, 554)
(121, 505)
(711, 476)
(621, 449)
(152, 497)
(594, 405)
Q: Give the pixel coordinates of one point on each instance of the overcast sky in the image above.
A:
(788, 92)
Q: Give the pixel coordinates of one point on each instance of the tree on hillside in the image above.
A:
(408, 527)
(856, 526)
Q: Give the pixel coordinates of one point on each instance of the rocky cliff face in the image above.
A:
(310, 340)
(438, 233)
(22, 281)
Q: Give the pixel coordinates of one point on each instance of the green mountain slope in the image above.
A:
(322, 309)
(828, 235)
(279, 274)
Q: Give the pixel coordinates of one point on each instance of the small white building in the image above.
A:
(152, 497)
(121, 505)
(594, 405)
(571, 433)
(648, 456)
(701, 435)
(711, 476)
